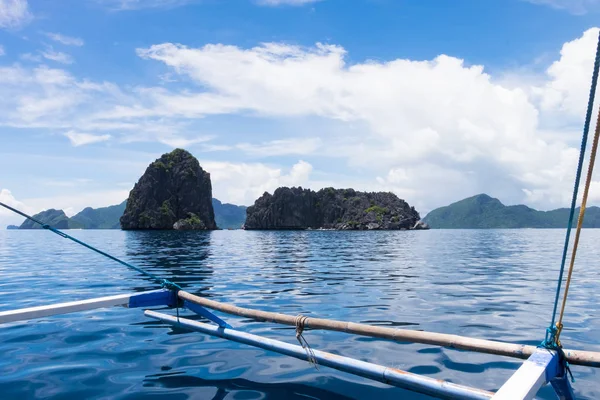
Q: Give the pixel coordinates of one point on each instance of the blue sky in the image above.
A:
(433, 100)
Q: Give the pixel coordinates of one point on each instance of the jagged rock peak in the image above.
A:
(329, 208)
(174, 193)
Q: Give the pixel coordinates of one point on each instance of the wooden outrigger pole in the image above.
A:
(574, 357)
(542, 365)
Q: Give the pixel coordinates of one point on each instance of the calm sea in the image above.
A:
(494, 284)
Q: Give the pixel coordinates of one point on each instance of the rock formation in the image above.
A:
(174, 193)
(344, 209)
(55, 218)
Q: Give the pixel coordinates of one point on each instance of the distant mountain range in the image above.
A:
(485, 212)
(227, 216)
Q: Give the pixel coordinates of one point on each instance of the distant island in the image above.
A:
(227, 216)
(173, 193)
(485, 212)
(88, 218)
(174, 189)
(329, 208)
(176, 193)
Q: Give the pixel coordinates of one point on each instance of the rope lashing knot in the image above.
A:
(167, 284)
(552, 342)
(300, 323)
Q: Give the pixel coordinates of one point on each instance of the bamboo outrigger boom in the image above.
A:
(575, 357)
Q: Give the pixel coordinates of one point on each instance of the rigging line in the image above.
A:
(586, 191)
(164, 282)
(551, 331)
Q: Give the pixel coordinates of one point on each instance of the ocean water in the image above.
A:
(493, 284)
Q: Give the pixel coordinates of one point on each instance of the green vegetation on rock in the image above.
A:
(377, 210)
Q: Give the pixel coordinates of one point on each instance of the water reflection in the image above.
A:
(181, 257)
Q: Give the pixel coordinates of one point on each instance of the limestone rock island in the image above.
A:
(329, 208)
(174, 193)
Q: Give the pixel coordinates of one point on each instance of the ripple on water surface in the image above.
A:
(495, 284)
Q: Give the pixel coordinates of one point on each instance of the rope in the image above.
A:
(167, 284)
(310, 354)
(552, 331)
(586, 191)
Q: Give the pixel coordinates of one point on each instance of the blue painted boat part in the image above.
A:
(391, 376)
(543, 367)
(144, 299)
(206, 314)
(153, 298)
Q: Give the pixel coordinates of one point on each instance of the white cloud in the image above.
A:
(416, 114)
(8, 217)
(14, 14)
(2, 52)
(64, 39)
(57, 56)
(285, 2)
(572, 6)
(242, 183)
(282, 147)
(81, 139)
(568, 85)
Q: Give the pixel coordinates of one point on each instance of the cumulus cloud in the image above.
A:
(420, 113)
(14, 14)
(8, 217)
(64, 39)
(568, 85)
(242, 183)
(81, 139)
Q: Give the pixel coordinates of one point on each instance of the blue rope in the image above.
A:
(167, 284)
(550, 340)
